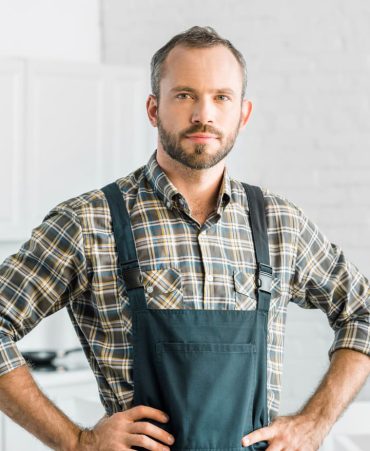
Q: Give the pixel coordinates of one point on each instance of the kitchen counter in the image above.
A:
(61, 378)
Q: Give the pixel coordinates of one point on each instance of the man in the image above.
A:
(196, 240)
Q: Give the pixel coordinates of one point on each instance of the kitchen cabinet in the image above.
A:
(74, 392)
(66, 128)
(11, 147)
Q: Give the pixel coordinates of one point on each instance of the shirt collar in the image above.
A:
(169, 194)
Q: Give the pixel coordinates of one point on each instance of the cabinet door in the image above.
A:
(129, 138)
(66, 128)
(80, 121)
(12, 167)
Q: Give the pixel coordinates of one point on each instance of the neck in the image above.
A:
(200, 187)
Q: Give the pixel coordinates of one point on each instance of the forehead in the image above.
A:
(201, 68)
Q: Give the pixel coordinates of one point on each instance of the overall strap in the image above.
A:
(127, 256)
(256, 204)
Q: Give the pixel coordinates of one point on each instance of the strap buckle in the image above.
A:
(131, 276)
(264, 280)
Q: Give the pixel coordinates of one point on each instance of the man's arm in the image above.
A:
(323, 278)
(47, 273)
(23, 402)
(306, 430)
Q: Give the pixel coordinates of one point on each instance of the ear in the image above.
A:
(246, 112)
(152, 109)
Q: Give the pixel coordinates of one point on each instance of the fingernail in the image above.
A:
(245, 441)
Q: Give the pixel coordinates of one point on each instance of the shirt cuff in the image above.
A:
(352, 335)
(10, 356)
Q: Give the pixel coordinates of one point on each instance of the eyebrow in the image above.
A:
(189, 89)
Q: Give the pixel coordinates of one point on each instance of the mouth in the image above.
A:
(201, 137)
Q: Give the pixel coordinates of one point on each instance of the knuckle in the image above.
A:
(145, 427)
(139, 409)
(145, 440)
(120, 417)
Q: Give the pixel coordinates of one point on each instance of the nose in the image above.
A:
(203, 112)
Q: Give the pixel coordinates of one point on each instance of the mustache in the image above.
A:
(199, 128)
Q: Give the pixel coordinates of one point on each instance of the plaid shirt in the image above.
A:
(70, 261)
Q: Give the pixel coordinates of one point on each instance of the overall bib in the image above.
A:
(205, 368)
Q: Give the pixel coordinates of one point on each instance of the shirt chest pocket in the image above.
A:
(163, 288)
(245, 290)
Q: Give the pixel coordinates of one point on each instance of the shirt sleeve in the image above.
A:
(47, 272)
(325, 279)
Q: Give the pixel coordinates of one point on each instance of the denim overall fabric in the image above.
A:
(205, 368)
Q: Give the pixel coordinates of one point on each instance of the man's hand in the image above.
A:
(122, 431)
(293, 433)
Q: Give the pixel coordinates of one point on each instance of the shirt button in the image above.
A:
(149, 289)
(168, 204)
(210, 278)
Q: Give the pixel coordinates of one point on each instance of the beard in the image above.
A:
(199, 158)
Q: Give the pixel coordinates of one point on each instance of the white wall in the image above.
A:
(308, 137)
(53, 29)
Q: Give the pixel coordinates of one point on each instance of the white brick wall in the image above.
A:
(308, 138)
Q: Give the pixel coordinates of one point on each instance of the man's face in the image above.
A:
(200, 110)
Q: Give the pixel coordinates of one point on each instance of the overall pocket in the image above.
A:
(208, 388)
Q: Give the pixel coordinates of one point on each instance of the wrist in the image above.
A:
(69, 440)
(315, 421)
(86, 440)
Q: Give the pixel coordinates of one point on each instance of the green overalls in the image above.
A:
(205, 368)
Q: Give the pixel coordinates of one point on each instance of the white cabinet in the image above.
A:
(74, 392)
(66, 128)
(12, 149)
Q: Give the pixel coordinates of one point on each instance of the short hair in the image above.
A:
(194, 37)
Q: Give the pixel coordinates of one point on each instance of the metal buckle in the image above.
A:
(264, 281)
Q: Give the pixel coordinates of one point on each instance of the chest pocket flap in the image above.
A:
(245, 290)
(163, 287)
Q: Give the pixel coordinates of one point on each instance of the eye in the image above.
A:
(223, 97)
(183, 95)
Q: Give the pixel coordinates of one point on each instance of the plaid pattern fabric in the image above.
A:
(70, 261)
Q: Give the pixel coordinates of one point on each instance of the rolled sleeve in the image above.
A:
(47, 272)
(10, 355)
(325, 279)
